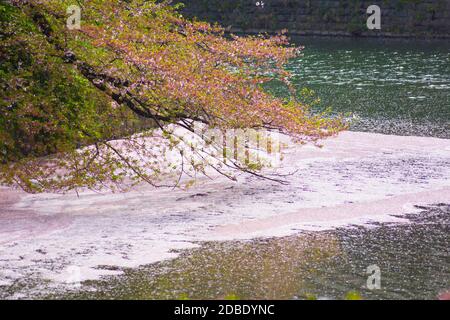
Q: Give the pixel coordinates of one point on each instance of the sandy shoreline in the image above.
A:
(355, 178)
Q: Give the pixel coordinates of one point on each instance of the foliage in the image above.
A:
(353, 295)
(63, 89)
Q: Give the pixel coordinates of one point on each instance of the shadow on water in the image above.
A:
(413, 258)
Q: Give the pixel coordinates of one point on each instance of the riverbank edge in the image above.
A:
(341, 34)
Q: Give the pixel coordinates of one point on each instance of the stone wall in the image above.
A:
(399, 18)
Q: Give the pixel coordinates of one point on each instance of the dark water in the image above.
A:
(413, 258)
(394, 87)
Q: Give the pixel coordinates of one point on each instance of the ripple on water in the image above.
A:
(413, 259)
(405, 82)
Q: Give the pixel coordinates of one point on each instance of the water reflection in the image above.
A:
(413, 258)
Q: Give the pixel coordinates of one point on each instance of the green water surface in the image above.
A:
(399, 87)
